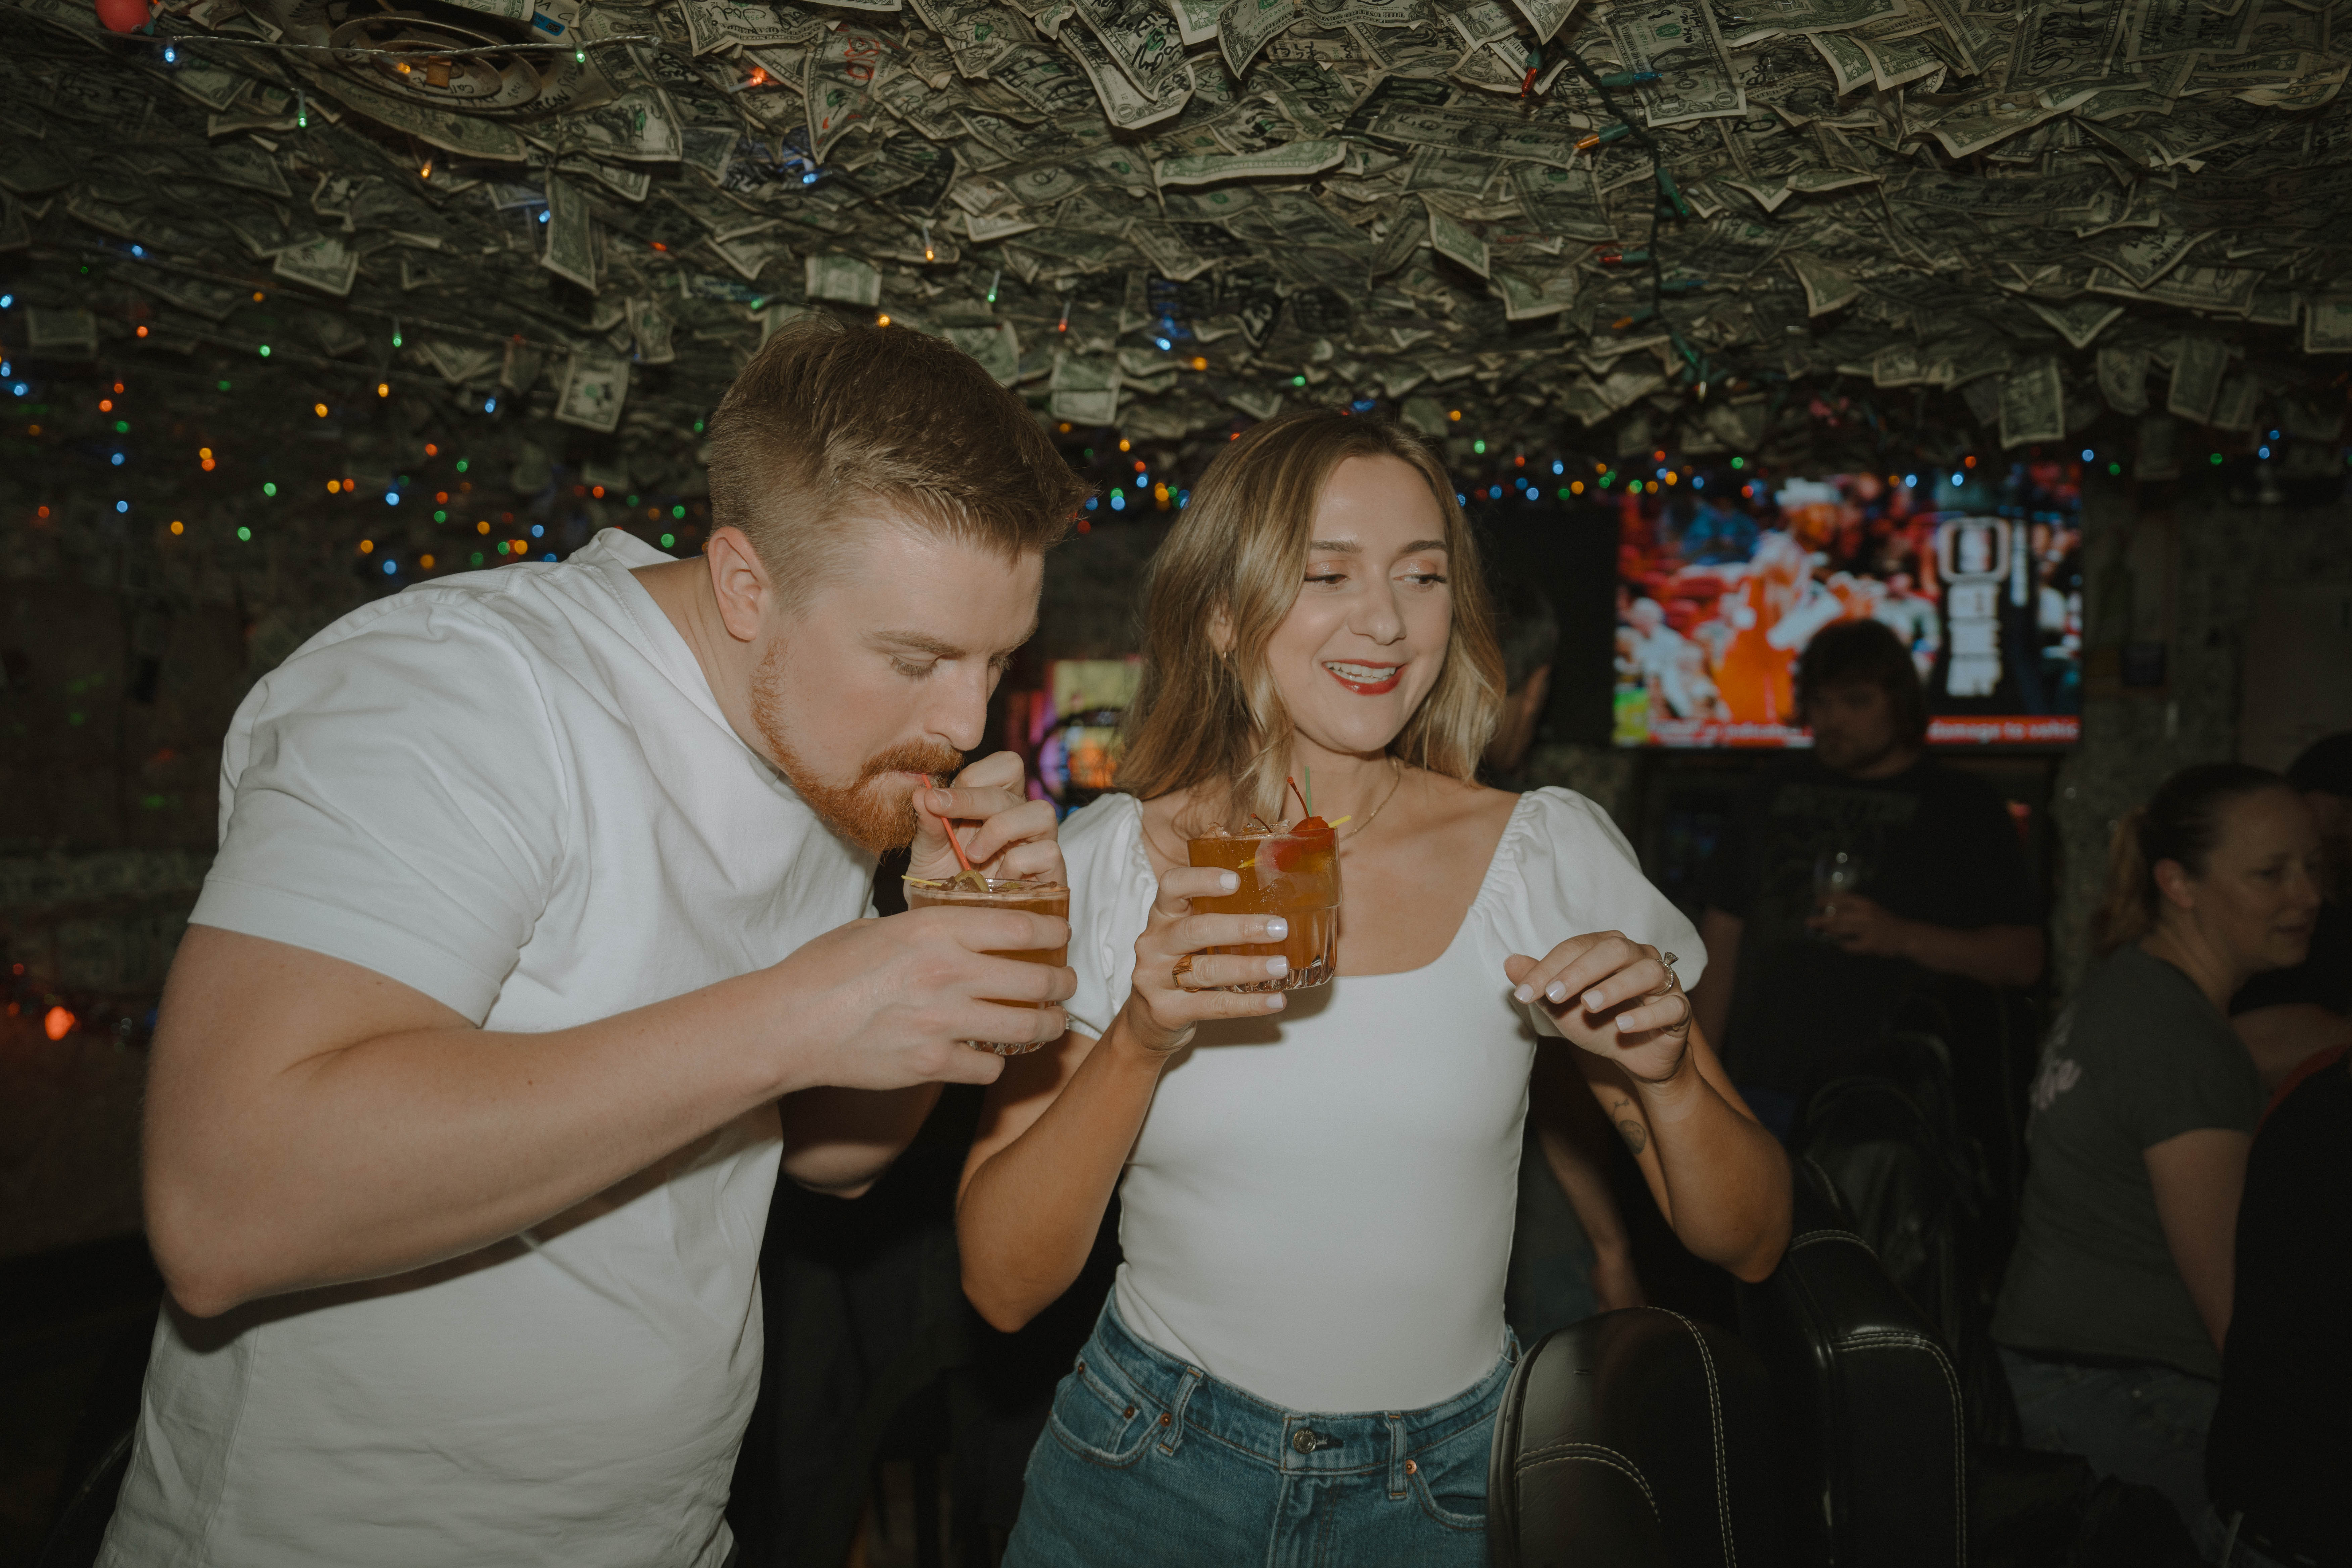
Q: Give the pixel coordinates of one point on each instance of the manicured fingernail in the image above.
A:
(1274, 1001)
(1228, 880)
(1277, 965)
(1277, 928)
(1556, 992)
(1592, 1000)
(1524, 994)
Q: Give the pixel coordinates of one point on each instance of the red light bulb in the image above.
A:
(122, 15)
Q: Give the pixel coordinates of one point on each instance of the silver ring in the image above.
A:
(1674, 987)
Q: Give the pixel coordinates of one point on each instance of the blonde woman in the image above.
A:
(1305, 1346)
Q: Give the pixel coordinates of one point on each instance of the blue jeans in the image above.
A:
(1147, 1460)
(2141, 1423)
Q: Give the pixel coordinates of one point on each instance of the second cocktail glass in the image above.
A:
(1293, 874)
(1034, 897)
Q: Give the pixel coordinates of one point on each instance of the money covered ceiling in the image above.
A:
(549, 232)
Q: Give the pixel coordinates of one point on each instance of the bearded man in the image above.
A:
(534, 946)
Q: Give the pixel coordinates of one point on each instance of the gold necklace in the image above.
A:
(1393, 787)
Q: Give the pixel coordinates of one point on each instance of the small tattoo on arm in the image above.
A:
(1636, 1136)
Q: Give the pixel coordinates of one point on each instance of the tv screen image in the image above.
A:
(1719, 590)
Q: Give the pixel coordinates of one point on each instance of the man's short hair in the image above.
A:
(1846, 652)
(832, 415)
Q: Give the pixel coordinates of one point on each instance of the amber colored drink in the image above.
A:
(1295, 875)
(1033, 898)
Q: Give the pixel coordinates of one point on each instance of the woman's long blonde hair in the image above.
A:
(1239, 549)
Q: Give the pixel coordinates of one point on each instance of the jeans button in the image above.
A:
(1304, 1440)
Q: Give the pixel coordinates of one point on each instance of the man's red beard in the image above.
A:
(873, 811)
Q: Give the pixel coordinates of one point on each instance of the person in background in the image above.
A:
(2117, 1303)
(2281, 1446)
(1799, 987)
(2288, 1016)
(1571, 1256)
(1528, 633)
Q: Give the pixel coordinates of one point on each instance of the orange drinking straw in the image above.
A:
(963, 859)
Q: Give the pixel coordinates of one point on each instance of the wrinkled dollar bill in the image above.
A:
(1450, 239)
(2197, 364)
(851, 279)
(997, 348)
(1826, 286)
(1677, 40)
(324, 264)
(714, 24)
(2079, 324)
(1244, 26)
(2327, 325)
(1141, 40)
(1293, 159)
(571, 249)
(1084, 390)
(2123, 379)
(594, 388)
(2032, 405)
(1122, 105)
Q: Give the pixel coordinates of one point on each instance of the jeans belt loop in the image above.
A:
(1173, 1434)
(1396, 1454)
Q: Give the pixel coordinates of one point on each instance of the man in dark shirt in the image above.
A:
(2280, 1451)
(2289, 1015)
(1848, 875)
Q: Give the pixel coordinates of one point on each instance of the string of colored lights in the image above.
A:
(357, 51)
(286, 295)
(1628, 125)
(671, 511)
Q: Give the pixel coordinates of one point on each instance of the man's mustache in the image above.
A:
(939, 763)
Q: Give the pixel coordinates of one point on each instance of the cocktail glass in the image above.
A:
(1293, 874)
(1034, 897)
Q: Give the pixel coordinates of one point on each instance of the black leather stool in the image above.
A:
(1867, 1404)
(1634, 1439)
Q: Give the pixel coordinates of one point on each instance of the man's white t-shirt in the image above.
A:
(513, 791)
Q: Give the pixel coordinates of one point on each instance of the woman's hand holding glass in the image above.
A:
(1613, 996)
(1177, 982)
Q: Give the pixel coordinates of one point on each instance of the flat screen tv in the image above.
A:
(1723, 579)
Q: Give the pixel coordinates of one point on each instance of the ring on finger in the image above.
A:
(1674, 987)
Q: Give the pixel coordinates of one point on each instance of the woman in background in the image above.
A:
(1305, 1347)
(2117, 1301)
